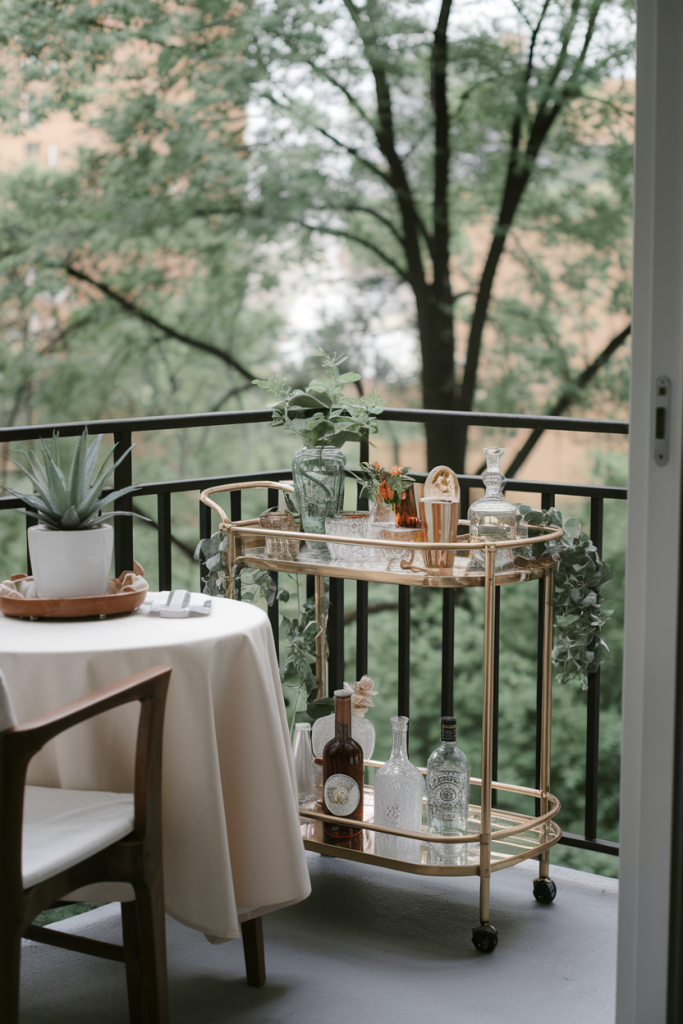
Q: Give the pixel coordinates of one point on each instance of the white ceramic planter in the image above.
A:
(70, 563)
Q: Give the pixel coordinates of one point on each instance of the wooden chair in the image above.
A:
(110, 838)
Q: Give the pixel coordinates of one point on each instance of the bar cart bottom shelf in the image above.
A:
(422, 857)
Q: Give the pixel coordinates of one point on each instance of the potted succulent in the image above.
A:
(324, 418)
(71, 546)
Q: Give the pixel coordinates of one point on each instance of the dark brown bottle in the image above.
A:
(342, 771)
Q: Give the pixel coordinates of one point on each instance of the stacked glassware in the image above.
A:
(348, 524)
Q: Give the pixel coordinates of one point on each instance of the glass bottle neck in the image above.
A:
(399, 741)
(342, 717)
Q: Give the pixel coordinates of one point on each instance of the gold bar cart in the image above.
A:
(495, 839)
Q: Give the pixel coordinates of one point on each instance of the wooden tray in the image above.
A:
(71, 607)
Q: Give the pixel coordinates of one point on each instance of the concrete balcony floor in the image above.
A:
(368, 945)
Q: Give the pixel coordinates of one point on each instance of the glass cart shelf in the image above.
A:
(496, 839)
(514, 838)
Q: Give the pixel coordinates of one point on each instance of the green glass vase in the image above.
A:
(318, 478)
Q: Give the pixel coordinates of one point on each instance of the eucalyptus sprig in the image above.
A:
(579, 646)
(322, 414)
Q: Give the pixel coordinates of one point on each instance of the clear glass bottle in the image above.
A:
(303, 763)
(399, 786)
(343, 771)
(492, 517)
(448, 785)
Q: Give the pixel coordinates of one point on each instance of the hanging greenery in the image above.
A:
(579, 646)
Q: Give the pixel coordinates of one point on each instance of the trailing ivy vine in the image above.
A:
(579, 646)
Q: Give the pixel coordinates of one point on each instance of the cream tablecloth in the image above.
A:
(232, 844)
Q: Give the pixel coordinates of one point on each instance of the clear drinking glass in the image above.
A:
(492, 517)
(348, 524)
(285, 548)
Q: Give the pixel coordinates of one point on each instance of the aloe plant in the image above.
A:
(70, 501)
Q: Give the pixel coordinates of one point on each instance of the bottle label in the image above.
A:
(446, 793)
(342, 795)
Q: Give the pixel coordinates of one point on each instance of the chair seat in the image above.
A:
(63, 827)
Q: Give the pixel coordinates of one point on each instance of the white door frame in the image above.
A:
(654, 514)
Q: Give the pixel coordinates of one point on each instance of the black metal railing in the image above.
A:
(123, 429)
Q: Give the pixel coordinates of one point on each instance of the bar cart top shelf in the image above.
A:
(246, 540)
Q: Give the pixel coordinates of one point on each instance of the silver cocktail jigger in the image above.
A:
(440, 523)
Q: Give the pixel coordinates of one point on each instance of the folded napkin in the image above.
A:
(22, 586)
(176, 604)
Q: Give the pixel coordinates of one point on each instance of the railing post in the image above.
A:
(404, 650)
(204, 532)
(164, 540)
(547, 501)
(593, 704)
(123, 525)
(335, 634)
(30, 521)
(274, 606)
(236, 515)
(496, 698)
(447, 651)
(361, 628)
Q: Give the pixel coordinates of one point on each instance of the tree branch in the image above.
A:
(439, 65)
(384, 131)
(567, 398)
(357, 208)
(351, 237)
(147, 318)
(355, 153)
(180, 544)
(518, 175)
(329, 77)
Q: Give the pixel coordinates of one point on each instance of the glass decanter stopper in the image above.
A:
(492, 517)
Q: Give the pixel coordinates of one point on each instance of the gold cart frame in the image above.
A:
(496, 839)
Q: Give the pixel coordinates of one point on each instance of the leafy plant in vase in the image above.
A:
(388, 489)
(393, 515)
(324, 418)
(71, 546)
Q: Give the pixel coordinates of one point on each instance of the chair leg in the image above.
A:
(131, 953)
(254, 953)
(151, 921)
(10, 963)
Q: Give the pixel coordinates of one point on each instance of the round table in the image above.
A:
(232, 843)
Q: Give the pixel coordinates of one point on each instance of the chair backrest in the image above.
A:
(7, 716)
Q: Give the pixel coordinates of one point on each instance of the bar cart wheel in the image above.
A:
(545, 890)
(485, 938)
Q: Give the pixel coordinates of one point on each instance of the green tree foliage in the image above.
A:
(398, 129)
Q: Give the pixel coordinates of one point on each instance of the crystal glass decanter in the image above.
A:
(399, 789)
(399, 786)
(492, 517)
